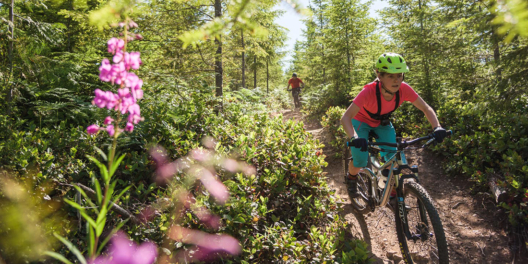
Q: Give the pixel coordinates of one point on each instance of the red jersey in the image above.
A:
(366, 99)
(295, 83)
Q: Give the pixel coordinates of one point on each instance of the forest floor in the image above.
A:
(476, 230)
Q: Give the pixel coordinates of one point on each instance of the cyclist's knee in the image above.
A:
(359, 162)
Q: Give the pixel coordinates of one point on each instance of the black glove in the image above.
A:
(359, 143)
(439, 134)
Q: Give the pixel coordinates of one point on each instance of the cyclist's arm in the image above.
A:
(346, 120)
(302, 86)
(288, 87)
(428, 111)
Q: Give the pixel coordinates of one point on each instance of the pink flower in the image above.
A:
(135, 114)
(124, 251)
(100, 98)
(108, 120)
(139, 37)
(130, 91)
(139, 93)
(129, 127)
(132, 80)
(123, 92)
(112, 100)
(118, 57)
(132, 60)
(115, 44)
(207, 245)
(92, 129)
(132, 24)
(110, 129)
(105, 71)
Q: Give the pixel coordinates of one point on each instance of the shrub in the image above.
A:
(331, 121)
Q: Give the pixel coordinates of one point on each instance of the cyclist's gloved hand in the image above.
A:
(439, 134)
(360, 143)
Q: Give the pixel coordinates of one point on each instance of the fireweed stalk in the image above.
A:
(124, 102)
(129, 91)
(127, 110)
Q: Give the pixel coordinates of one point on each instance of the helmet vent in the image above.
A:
(385, 67)
(389, 60)
(401, 60)
(384, 55)
(379, 61)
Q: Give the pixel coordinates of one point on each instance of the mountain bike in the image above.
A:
(418, 226)
(296, 93)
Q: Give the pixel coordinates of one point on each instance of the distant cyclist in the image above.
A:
(296, 89)
(372, 109)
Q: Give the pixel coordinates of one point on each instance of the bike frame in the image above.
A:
(396, 163)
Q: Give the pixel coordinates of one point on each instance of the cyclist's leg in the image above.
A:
(296, 97)
(360, 158)
(386, 134)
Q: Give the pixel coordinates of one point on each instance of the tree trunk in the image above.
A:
(267, 75)
(9, 95)
(322, 47)
(348, 54)
(425, 60)
(496, 56)
(69, 27)
(255, 71)
(243, 60)
(218, 58)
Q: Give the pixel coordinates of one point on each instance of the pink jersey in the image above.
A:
(367, 99)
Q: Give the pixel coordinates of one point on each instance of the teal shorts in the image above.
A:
(385, 133)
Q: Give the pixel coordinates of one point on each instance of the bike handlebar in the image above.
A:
(404, 144)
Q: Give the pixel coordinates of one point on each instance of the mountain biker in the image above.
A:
(371, 110)
(296, 89)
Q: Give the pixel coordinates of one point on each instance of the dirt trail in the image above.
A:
(475, 230)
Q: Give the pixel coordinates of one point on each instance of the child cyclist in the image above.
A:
(372, 108)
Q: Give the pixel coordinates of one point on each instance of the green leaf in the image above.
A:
(87, 198)
(102, 168)
(71, 247)
(103, 155)
(115, 165)
(515, 184)
(116, 198)
(100, 226)
(89, 219)
(98, 190)
(91, 236)
(101, 221)
(105, 241)
(74, 204)
(57, 256)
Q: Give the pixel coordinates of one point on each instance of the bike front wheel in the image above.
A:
(429, 243)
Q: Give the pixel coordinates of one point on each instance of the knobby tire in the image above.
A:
(413, 190)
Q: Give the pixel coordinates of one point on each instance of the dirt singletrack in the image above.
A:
(475, 228)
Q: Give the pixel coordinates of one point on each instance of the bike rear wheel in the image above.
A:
(424, 224)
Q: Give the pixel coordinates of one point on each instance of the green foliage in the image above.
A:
(331, 121)
(336, 57)
(512, 15)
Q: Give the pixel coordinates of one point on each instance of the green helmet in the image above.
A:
(391, 63)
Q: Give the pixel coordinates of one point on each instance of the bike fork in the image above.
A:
(402, 214)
